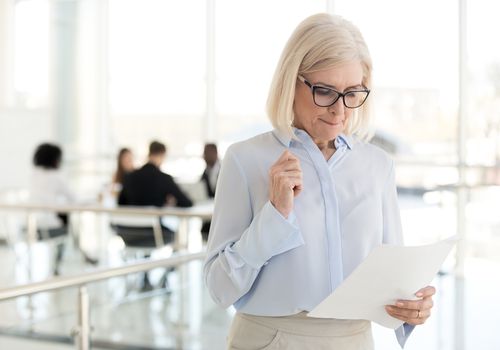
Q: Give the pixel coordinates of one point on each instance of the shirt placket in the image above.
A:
(332, 222)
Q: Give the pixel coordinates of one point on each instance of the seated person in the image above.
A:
(124, 165)
(48, 186)
(209, 178)
(149, 186)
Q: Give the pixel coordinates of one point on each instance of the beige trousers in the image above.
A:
(298, 332)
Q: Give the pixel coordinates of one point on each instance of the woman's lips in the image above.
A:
(330, 123)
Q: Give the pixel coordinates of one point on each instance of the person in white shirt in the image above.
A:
(297, 209)
(48, 187)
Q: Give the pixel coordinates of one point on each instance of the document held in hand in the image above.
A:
(389, 273)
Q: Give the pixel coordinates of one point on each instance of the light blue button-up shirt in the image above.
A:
(267, 265)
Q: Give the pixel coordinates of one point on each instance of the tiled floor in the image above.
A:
(466, 316)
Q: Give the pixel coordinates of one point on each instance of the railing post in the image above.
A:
(158, 232)
(83, 331)
(181, 238)
(32, 228)
(32, 238)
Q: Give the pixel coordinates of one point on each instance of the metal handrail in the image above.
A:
(94, 276)
(82, 331)
(437, 164)
(200, 211)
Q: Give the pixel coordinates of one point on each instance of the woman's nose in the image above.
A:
(337, 108)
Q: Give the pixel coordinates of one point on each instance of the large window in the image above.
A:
(415, 99)
(157, 55)
(415, 58)
(483, 129)
(249, 38)
(484, 87)
(31, 54)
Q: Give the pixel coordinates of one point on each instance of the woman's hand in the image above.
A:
(285, 182)
(414, 312)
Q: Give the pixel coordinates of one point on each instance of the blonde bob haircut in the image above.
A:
(321, 41)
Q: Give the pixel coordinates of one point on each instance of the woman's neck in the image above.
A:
(326, 147)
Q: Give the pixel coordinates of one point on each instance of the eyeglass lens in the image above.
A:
(326, 97)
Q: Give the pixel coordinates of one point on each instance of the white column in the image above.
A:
(462, 139)
(210, 120)
(6, 50)
(463, 108)
(92, 77)
(64, 29)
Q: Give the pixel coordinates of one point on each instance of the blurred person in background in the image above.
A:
(209, 179)
(49, 187)
(124, 165)
(149, 186)
(211, 172)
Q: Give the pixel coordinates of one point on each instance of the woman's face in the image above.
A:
(128, 161)
(324, 124)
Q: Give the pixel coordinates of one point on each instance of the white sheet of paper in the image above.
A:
(388, 273)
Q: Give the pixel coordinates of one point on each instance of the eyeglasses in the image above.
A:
(326, 97)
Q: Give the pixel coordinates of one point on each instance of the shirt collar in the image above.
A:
(346, 140)
(286, 139)
(283, 137)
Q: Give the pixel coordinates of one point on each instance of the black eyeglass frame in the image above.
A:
(340, 94)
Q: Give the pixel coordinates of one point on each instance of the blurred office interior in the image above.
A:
(97, 75)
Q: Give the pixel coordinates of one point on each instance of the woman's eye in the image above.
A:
(325, 91)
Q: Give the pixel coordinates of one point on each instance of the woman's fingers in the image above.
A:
(426, 292)
(425, 303)
(414, 317)
(285, 182)
(414, 311)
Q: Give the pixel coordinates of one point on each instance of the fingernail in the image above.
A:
(399, 304)
(419, 294)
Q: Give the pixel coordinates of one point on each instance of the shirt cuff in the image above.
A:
(403, 332)
(268, 235)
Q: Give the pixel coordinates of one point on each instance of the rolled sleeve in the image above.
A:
(403, 332)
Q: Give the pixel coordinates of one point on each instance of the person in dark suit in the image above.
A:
(149, 186)
(211, 173)
(209, 178)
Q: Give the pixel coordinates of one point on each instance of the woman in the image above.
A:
(124, 165)
(49, 187)
(298, 208)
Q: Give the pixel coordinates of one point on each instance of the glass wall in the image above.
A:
(31, 39)
(249, 38)
(157, 55)
(483, 130)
